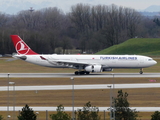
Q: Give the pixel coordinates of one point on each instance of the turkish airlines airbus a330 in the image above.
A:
(84, 63)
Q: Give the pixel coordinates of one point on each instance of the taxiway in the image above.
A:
(68, 75)
(142, 109)
(82, 87)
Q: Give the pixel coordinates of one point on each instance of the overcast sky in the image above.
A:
(136, 4)
(66, 4)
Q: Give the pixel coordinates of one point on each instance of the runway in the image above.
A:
(68, 75)
(82, 87)
(101, 109)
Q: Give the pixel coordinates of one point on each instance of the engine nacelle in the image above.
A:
(94, 68)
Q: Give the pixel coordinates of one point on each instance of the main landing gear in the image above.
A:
(141, 71)
(81, 72)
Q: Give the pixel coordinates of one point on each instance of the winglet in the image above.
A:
(21, 47)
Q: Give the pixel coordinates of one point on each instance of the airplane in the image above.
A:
(85, 64)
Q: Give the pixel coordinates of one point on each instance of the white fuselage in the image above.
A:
(84, 63)
(106, 61)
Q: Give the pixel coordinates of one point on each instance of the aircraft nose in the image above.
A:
(154, 62)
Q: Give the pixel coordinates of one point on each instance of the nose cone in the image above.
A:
(151, 62)
(154, 62)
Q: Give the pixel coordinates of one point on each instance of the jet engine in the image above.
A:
(93, 68)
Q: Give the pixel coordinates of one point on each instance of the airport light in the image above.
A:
(37, 113)
(110, 102)
(72, 79)
(13, 83)
(113, 102)
(8, 116)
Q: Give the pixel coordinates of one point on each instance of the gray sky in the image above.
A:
(66, 4)
(136, 4)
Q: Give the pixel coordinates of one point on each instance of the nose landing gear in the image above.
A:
(141, 71)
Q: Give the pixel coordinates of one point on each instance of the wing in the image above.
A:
(70, 62)
(66, 62)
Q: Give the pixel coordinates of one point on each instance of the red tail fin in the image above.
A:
(21, 47)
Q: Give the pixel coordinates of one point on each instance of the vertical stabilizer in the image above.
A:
(21, 47)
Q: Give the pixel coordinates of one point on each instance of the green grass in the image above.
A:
(142, 46)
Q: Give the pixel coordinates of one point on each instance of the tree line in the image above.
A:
(85, 27)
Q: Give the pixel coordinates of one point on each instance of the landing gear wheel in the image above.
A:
(87, 73)
(76, 73)
(141, 71)
(81, 73)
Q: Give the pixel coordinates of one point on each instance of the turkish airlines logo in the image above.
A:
(22, 48)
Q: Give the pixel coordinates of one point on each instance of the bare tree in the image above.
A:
(90, 28)
(122, 23)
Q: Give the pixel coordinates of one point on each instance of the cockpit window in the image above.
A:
(150, 59)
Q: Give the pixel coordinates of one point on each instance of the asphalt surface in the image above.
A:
(68, 75)
(81, 87)
(142, 109)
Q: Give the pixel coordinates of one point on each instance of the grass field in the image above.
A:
(100, 97)
(140, 46)
(42, 115)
